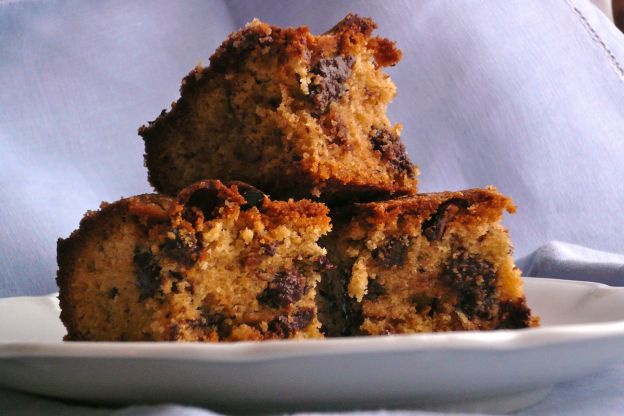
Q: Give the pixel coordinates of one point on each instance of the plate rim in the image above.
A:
(247, 351)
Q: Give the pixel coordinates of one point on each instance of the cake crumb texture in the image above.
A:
(220, 262)
(428, 263)
(294, 114)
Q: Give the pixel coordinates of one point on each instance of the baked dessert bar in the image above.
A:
(432, 262)
(294, 114)
(221, 262)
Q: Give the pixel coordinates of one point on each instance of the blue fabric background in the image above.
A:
(520, 94)
(527, 95)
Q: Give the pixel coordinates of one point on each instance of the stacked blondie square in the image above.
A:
(287, 207)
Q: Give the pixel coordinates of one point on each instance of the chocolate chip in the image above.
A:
(374, 290)
(112, 294)
(282, 327)
(210, 320)
(436, 306)
(253, 198)
(324, 264)
(425, 303)
(392, 151)
(174, 332)
(392, 254)
(339, 313)
(475, 281)
(148, 277)
(204, 199)
(302, 318)
(286, 288)
(175, 275)
(329, 83)
(269, 249)
(435, 226)
(184, 247)
(514, 314)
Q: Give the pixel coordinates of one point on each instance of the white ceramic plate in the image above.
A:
(583, 331)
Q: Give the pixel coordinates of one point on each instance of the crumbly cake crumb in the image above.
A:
(221, 262)
(432, 262)
(294, 114)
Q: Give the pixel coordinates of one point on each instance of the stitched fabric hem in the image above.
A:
(597, 39)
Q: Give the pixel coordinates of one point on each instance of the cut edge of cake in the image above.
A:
(303, 129)
(221, 262)
(428, 263)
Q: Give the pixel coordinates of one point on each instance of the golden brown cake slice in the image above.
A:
(221, 262)
(433, 262)
(289, 112)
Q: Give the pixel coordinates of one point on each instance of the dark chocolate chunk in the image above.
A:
(301, 318)
(286, 288)
(425, 303)
(436, 306)
(175, 275)
(112, 294)
(392, 254)
(210, 320)
(392, 150)
(475, 281)
(184, 247)
(324, 264)
(148, 277)
(174, 332)
(269, 249)
(282, 327)
(204, 199)
(335, 304)
(435, 226)
(374, 290)
(514, 314)
(329, 83)
(253, 198)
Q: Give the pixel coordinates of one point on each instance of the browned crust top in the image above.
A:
(146, 209)
(239, 193)
(487, 202)
(287, 43)
(153, 210)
